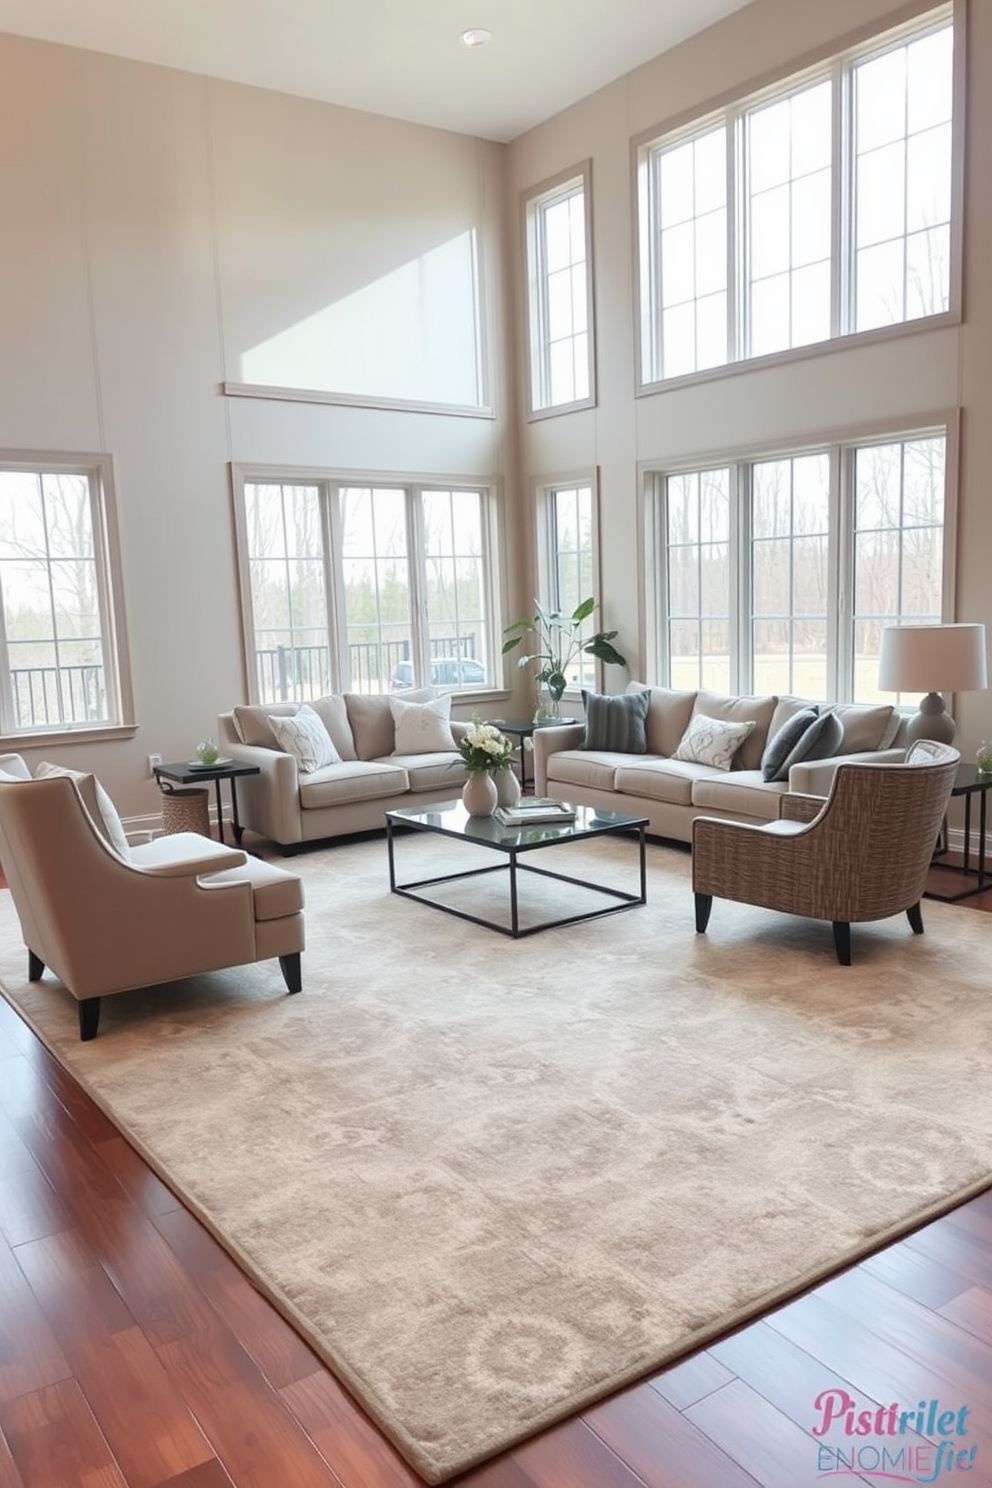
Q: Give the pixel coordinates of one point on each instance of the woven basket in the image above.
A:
(185, 810)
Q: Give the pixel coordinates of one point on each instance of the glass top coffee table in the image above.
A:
(450, 819)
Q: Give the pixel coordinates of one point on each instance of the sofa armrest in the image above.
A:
(269, 803)
(815, 777)
(551, 739)
(185, 855)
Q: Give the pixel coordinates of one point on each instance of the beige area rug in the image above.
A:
(492, 1181)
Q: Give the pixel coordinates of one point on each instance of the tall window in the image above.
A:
(777, 574)
(816, 209)
(698, 579)
(898, 545)
(59, 662)
(365, 588)
(560, 294)
(790, 529)
(902, 166)
(572, 562)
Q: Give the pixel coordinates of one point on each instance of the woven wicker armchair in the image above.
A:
(861, 855)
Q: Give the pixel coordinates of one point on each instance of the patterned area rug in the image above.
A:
(491, 1181)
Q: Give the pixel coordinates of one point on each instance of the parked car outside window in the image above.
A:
(447, 671)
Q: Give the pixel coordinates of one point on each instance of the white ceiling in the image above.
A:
(397, 57)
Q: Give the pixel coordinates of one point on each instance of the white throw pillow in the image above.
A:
(100, 807)
(712, 741)
(422, 728)
(303, 735)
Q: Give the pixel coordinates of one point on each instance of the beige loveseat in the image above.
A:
(292, 806)
(671, 792)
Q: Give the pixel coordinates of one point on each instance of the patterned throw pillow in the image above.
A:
(713, 741)
(616, 723)
(303, 735)
(422, 728)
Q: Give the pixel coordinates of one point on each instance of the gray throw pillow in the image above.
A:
(822, 739)
(781, 744)
(617, 723)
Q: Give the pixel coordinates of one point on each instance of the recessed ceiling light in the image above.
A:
(476, 37)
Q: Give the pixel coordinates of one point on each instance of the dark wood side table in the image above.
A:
(968, 782)
(185, 773)
(523, 729)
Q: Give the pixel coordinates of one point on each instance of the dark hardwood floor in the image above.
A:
(135, 1354)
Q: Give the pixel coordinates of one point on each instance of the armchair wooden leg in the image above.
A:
(914, 915)
(292, 974)
(842, 941)
(704, 903)
(36, 967)
(89, 1017)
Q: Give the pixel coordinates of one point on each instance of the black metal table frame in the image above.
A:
(186, 775)
(512, 852)
(983, 880)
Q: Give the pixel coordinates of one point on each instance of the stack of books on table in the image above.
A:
(531, 809)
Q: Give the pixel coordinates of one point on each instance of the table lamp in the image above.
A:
(932, 659)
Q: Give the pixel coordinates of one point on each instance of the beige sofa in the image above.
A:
(292, 807)
(671, 793)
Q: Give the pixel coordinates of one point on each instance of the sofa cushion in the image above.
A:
(741, 793)
(781, 743)
(441, 773)
(371, 720)
(713, 741)
(421, 728)
(581, 767)
(351, 780)
(743, 709)
(252, 722)
(304, 736)
(668, 715)
(865, 726)
(275, 892)
(333, 713)
(616, 722)
(101, 808)
(667, 780)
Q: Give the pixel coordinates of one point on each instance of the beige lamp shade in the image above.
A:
(932, 659)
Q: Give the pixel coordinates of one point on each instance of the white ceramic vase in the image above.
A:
(479, 794)
(507, 788)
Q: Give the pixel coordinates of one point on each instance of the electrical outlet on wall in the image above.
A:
(153, 760)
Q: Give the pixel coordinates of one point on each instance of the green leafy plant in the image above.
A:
(560, 641)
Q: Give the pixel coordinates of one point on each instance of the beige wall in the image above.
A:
(843, 388)
(157, 225)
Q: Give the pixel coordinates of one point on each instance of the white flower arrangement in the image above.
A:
(483, 748)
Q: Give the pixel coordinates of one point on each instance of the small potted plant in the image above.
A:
(560, 641)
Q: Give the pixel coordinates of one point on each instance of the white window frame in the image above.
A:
(733, 113)
(329, 484)
(535, 202)
(97, 471)
(841, 447)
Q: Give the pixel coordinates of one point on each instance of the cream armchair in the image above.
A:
(863, 854)
(180, 905)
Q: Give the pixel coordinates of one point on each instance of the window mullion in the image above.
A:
(741, 581)
(841, 574)
(417, 570)
(331, 543)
